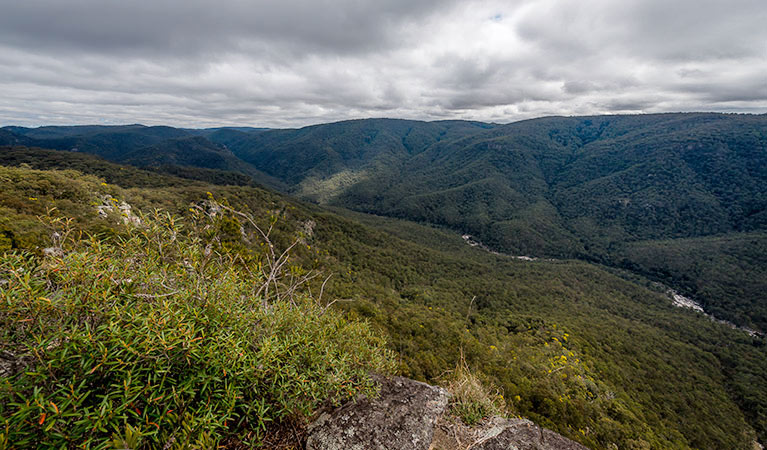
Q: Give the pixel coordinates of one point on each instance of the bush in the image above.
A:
(158, 340)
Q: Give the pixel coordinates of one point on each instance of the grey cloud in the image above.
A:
(680, 30)
(296, 62)
(579, 86)
(630, 104)
(180, 28)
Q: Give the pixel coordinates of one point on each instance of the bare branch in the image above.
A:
(333, 302)
(322, 288)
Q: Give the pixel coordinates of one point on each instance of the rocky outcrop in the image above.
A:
(409, 415)
(401, 418)
(110, 204)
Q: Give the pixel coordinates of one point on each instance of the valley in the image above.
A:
(551, 255)
(676, 298)
(675, 197)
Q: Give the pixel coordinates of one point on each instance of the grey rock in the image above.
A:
(11, 364)
(521, 434)
(127, 214)
(104, 210)
(401, 418)
(109, 205)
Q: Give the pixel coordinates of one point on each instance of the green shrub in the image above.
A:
(158, 340)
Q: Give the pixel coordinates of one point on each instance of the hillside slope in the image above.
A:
(142, 146)
(320, 162)
(606, 179)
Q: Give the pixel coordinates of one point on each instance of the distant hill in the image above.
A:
(603, 179)
(54, 132)
(158, 147)
(208, 131)
(7, 137)
(325, 159)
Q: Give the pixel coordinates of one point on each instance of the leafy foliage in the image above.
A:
(159, 338)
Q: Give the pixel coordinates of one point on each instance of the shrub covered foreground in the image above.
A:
(162, 338)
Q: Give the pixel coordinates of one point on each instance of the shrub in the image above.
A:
(158, 340)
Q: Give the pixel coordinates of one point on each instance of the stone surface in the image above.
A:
(402, 418)
(521, 434)
(11, 364)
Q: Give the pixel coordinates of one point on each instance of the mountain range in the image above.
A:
(680, 198)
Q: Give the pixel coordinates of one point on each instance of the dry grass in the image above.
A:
(471, 400)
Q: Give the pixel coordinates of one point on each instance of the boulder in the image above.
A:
(521, 434)
(401, 418)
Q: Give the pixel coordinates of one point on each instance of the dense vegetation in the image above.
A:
(596, 355)
(731, 268)
(167, 333)
(590, 187)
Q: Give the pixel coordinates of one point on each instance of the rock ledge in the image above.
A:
(405, 417)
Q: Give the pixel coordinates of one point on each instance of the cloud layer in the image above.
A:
(297, 62)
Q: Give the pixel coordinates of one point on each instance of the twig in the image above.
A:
(156, 295)
(336, 300)
(322, 288)
(468, 312)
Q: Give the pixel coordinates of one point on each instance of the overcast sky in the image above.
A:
(297, 62)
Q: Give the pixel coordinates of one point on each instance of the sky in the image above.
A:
(291, 63)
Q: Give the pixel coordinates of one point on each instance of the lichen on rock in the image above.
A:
(402, 417)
